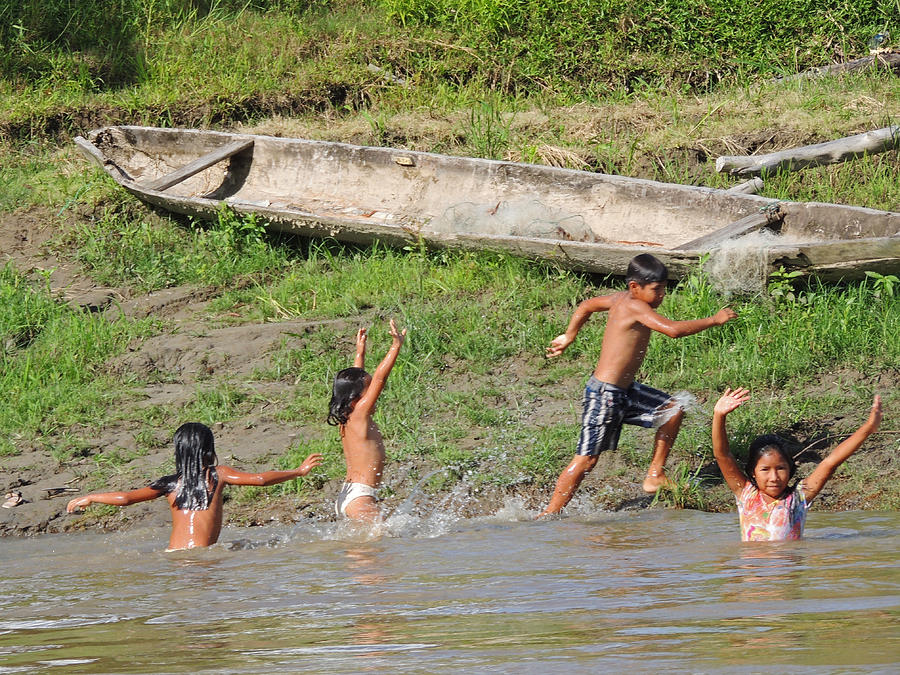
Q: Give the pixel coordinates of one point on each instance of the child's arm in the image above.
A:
(676, 329)
(817, 479)
(360, 360)
(582, 313)
(731, 472)
(232, 476)
(114, 498)
(367, 403)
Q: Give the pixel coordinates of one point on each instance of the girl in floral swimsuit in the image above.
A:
(770, 509)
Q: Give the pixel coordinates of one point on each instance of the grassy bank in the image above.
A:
(462, 393)
(591, 85)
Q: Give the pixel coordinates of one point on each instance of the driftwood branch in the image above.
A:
(889, 60)
(770, 215)
(748, 187)
(851, 147)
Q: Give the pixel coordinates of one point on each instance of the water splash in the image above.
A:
(512, 511)
(684, 400)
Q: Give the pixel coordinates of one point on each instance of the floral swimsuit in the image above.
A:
(771, 521)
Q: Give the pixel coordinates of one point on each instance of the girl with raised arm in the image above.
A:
(770, 508)
(195, 490)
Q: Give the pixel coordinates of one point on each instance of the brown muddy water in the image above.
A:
(638, 592)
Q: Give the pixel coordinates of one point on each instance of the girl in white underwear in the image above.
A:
(352, 404)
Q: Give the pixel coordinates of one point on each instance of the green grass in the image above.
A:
(175, 62)
(776, 340)
(654, 89)
(51, 362)
(124, 246)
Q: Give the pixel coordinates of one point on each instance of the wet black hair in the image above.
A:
(646, 269)
(349, 384)
(759, 447)
(195, 468)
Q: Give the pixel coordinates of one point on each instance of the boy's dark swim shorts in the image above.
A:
(607, 408)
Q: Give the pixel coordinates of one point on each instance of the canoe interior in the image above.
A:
(427, 192)
(585, 220)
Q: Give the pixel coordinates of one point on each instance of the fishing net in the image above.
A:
(741, 265)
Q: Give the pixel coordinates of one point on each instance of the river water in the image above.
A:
(639, 592)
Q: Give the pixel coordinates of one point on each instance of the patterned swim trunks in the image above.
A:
(607, 408)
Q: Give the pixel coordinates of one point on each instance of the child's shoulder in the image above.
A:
(625, 303)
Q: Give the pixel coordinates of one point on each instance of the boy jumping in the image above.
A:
(612, 397)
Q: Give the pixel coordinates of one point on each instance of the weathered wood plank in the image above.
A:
(198, 165)
(831, 152)
(889, 60)
(748, 187)
(846, 259)
(751, 223)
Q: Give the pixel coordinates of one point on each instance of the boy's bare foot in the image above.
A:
(655, 480)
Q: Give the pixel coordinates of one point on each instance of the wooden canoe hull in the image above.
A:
(577, 219)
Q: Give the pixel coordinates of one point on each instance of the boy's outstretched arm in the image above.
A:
(114, 498)
(360, 360)
(582, 313)
(817, 479)
(232, 476)
(677, 329)
(731, 472)
(379, 377)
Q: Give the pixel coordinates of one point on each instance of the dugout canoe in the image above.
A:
(578, 219)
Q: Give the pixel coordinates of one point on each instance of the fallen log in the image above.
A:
(748, 187)
(890, 60)
(831, 152)
(766, 217)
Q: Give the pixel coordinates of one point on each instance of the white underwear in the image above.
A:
(349, 492)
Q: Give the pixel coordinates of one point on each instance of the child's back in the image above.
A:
(363, 447)
(353, 400)
(195, 491)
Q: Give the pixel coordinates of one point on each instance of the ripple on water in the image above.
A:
(645, 591)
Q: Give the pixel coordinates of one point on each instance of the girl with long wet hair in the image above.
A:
(195, 490)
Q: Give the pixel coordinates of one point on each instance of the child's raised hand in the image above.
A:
(725, 315)
(309, 463)
(874, 420)
(558, 345)
(78, 503)
(360, 360)
(397, 336)
(731, 400)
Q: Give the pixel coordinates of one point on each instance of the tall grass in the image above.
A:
(122, 247)
(636, 44)
(779, 341)
(181, 62)
(50, 359)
